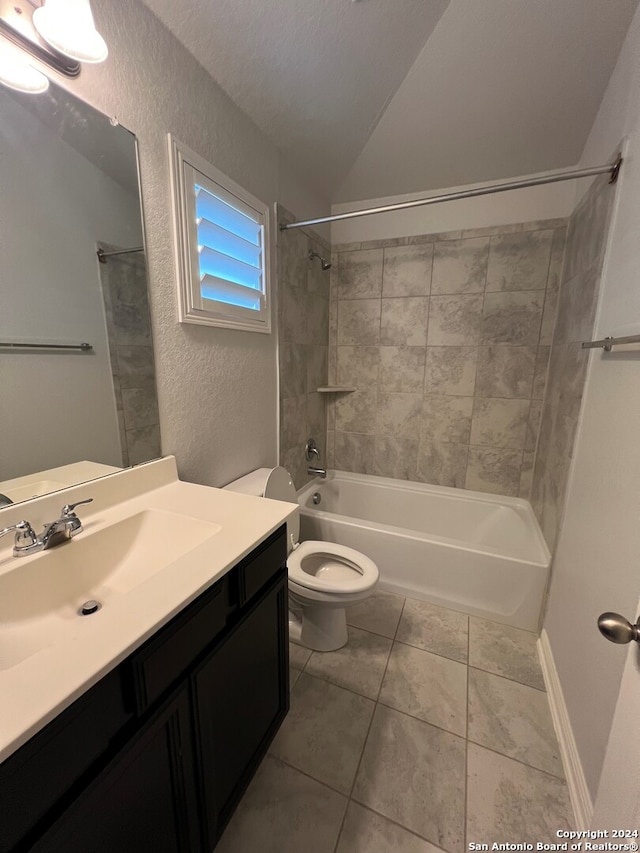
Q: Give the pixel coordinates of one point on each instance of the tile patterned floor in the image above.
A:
(428, 731)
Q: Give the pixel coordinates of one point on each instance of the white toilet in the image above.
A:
(324, 578)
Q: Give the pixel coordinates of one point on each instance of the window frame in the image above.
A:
(192, 306)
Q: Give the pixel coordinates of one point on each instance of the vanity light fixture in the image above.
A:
(68, 26)
(60, 34)
(17, 73)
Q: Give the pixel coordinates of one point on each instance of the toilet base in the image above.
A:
(323, 629)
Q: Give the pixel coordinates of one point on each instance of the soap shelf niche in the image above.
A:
(335, 389)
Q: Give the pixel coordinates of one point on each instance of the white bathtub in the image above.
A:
(483, 554)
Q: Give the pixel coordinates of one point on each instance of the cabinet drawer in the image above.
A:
(260, 567)
(166, 657)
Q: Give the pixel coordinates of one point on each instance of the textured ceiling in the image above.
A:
(314, 75)
(502, 88)
(381, 97)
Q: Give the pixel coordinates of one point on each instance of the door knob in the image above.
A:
(616, 628)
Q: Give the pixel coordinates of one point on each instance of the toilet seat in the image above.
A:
(331, 568)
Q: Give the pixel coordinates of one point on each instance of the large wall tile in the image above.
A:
(442, 463)
(407, 270)
(553, 286)
(451, 370)
(399, 415)
(136, 367)
(359, 322)
(293, 370)
(355, 452)
(478, 301)
(140, 406)
(505, 371)
(494, 470)
(360, 274)
(519, 261)
(293, 421)
(533, 425)
(446, 419)
(293, 316)
(455, 320)
(526, 475)
(356, 412)
(581, 273)
(540, 375)
(577, 307)
(358, 366)
(317, 321)
(512, 318)
(403, 321)
(402, 369)
(460, 266)
(317, 364)
(396, 457)
(500, 423)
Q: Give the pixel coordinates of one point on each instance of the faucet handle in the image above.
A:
(26, 539)
(67, 509)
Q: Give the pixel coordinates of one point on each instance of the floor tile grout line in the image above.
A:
(507, 678)
(364, 743)
(517, 760)
(400, 825)
(466, 738)
(391, 820)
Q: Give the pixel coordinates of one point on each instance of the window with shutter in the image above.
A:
(222, 246)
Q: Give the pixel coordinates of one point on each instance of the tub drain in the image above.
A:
(89, 607)
(317, 498)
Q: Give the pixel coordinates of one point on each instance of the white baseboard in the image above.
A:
(576, 782)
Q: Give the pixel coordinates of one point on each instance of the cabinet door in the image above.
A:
(241, 696)
(144, 801)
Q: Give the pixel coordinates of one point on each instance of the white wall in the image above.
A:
(217, 389)
(54, 208)
(552, 201)
(596, 565)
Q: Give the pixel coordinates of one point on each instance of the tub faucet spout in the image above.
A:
(317, 472)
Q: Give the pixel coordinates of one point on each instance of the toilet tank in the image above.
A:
(273, 483)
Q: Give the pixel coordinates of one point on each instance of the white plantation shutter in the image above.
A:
(223, 251)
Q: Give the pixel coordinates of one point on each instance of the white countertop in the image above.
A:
(39, 687)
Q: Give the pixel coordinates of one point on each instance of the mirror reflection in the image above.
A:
(69, 190)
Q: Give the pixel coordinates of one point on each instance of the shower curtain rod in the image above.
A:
(520, 183)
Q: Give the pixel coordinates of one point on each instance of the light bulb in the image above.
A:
(16, 73)
(68, 26)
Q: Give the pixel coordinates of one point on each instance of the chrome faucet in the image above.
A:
(61, 530)
(311, 452)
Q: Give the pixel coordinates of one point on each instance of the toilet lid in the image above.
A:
(329, 567)
(279, 487)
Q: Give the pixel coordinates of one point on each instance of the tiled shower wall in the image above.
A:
(124, 290)
(584, 257)
(446, 339)
(303, 328)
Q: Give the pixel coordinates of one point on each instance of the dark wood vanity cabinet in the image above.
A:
(156, 756)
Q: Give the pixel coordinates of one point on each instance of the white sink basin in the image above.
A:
(42, 593)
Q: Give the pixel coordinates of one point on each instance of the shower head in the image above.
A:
(326, 265)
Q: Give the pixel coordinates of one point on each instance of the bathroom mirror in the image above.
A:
(77, 376)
